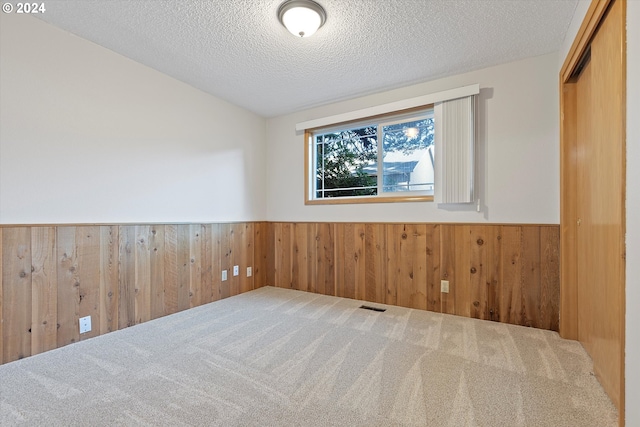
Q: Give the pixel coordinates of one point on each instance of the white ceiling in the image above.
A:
(238, 51)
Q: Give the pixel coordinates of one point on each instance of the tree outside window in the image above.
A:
(391, 156)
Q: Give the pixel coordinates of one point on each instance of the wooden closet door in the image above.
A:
(584, 238)
(600, 198)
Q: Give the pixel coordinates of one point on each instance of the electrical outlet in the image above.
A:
(85, 324)
(236, 270)
(249, 272)
(444, 286)
(224, 275)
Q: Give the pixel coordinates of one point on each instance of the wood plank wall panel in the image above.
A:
(68, 286)
(211, 288)
(433, 267)
(462, 301)
(492, 241)
(270, 275)
(232, 236)
(142, 305)
(170, 269)
(325, 255)
(119, 275)
(88, 273)
(156, 271)
(478, 273)
(260, 261)
(44, 313)
(16, 293)
(242, 255)
(448, 267)
(302, 253)
(224, 245)
(549, 278)
(375, 260)
(183, 253)
(510, 289)
(350, 249)
(504, 273)
(126, 278)
(394, 264)
(283, 246)
(214, 254)
(109, 276)
(407, 268)
(196, 258)
(530, 276)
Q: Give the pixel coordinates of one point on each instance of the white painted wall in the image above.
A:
(632, 341)
(632, 371)
(518, 152)
(89, 136)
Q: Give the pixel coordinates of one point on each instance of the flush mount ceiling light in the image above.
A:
(301, 17)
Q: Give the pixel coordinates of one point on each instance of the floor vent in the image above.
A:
(367, 307)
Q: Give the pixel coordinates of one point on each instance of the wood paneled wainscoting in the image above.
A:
(504, 273)
(120, 275)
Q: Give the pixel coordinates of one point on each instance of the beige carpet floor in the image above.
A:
(275, 357)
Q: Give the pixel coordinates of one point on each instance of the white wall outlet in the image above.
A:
(224, 275)
(249, 272)
(85, 324)
(444, 286)
(236, 270)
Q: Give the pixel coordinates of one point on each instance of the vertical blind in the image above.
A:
(454, 150)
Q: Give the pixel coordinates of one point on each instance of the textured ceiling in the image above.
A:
(237, 49)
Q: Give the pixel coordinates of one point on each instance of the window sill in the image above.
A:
(367, 199)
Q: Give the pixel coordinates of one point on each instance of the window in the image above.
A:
(390, 158)
(415, 149)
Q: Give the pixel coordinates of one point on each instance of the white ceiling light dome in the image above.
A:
(301, 17)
